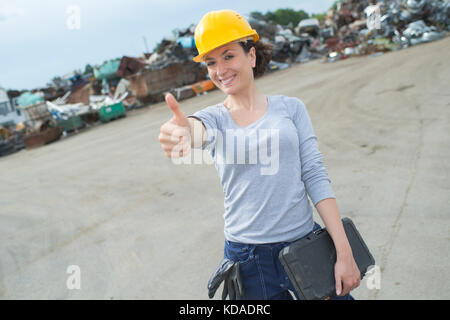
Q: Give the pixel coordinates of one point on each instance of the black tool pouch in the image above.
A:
(309, 262)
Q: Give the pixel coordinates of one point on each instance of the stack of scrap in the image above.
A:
(28, 99)
(129, 66)
(80, 94)
(150, 84)
(107, 70)
(42, 133)
(364, 28)
(348, 30)
(36, 113)
(10, 141)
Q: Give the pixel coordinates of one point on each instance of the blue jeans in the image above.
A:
(262, 273)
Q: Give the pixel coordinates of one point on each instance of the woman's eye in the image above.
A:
(210, 64)
(228, 57)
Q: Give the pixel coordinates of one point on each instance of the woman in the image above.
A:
(264, 209)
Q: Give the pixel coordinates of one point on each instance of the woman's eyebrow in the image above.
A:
(223, 53)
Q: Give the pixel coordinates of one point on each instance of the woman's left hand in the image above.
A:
(347, 274)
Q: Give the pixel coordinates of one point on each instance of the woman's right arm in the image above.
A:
(180, 133)
(198, 132)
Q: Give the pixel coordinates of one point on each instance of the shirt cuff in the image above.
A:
(320, 190)
(209, 129)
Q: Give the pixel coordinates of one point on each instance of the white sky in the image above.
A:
(36, 43)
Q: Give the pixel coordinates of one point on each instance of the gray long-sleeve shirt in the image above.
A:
(266, 170)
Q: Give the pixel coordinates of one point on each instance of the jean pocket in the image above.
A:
(241, 253)
(253, 278)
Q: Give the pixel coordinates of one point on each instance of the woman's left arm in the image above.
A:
(346, 271)
(317, 184)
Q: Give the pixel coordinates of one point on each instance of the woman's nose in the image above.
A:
(221, 68)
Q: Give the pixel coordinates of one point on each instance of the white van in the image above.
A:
(9, 115)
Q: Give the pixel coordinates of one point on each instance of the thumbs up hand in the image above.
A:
(175, 134)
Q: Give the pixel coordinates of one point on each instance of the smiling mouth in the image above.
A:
(227, 81)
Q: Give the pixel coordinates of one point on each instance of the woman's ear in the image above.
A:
(253, 56)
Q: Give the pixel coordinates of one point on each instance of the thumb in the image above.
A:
(180, 117)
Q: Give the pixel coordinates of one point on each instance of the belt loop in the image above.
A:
(251, 250)
(316, 226)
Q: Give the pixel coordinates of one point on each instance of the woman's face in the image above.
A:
(230, 68)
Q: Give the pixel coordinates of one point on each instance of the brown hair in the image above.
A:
(263, 52)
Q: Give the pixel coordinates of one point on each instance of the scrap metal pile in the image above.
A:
(76, 101)
(170, 68)
(106, 92)
(364, 28)
(358, 27)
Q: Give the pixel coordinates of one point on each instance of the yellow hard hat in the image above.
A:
(218, 28)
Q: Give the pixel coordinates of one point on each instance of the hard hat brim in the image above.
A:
(253, 34)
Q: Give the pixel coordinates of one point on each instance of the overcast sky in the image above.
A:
(41, 39)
